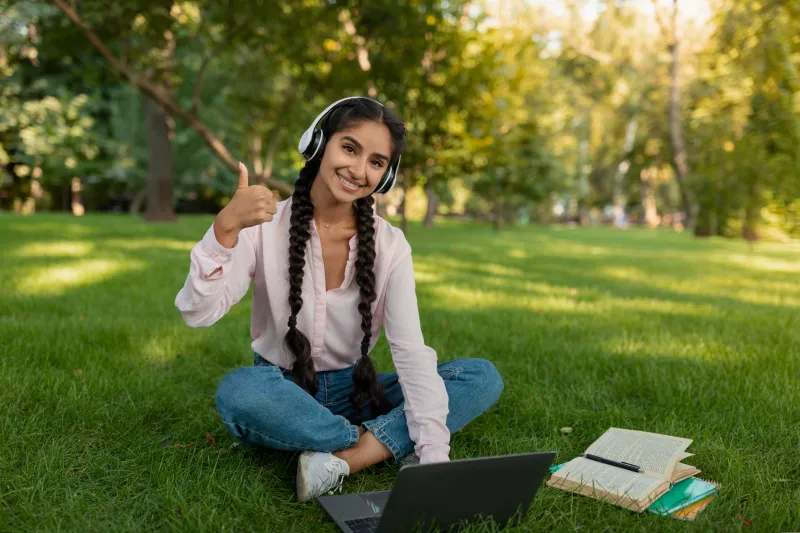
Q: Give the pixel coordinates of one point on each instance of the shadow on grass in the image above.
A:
(581, 336)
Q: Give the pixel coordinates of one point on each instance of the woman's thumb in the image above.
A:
(243, 181)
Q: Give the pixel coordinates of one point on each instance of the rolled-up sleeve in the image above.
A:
(426, 401)
(218, 278)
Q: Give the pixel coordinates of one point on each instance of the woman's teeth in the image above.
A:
(348, 184)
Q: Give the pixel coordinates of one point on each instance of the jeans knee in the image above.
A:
(487, 380)
(232, 393)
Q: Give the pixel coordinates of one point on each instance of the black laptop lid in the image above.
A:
(446, 494)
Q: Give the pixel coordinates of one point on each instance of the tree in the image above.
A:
(680, 158)
(747, 123)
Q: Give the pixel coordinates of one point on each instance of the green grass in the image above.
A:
(593, 328)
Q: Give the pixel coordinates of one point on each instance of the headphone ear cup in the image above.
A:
(315, 145)
(387, 182)
(305, 141)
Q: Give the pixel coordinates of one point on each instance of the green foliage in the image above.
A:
(746, 122)
(526, 107)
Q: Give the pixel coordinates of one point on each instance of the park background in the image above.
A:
(602, 198)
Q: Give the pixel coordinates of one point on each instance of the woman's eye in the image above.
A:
(377, 164)
(349, 149)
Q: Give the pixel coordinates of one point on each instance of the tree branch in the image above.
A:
(198, 81)
(288, 100)
(598, 56)
(661, 24)
(159, 95)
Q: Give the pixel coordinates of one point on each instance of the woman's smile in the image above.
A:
(349, 185)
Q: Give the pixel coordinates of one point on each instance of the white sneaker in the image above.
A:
(319, 473)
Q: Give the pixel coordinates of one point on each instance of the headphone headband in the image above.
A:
(312, 143)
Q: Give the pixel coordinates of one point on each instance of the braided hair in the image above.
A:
(365, 389)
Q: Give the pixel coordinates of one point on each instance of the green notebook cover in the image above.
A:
(682, 494)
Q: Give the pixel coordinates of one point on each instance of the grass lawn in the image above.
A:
(100, 378)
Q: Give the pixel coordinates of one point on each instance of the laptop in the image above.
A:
(442, 495)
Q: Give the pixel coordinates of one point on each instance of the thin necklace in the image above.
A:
(337, 224)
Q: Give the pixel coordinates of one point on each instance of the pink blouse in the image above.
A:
(219, 277)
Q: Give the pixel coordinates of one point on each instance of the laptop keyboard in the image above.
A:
(363, 525)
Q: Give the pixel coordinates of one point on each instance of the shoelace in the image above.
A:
(334, 469)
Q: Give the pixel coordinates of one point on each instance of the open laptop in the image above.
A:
(441, 495)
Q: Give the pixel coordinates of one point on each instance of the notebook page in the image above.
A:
(655, 454)
(616, 481)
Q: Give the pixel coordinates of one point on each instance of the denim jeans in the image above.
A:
(263, 406)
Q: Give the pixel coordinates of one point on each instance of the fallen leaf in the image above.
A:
(78, 372)
(573, 292)
(223, 451)
(167, 367)
(566, 431)
(177, 512)
(174, 446)
(211, 440)
(748, 523)
(528, 400)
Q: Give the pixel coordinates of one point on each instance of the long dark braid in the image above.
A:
(364, 376)
(365, 381)
(302, 213)
(365, 384)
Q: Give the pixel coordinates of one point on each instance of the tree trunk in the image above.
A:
(619, 196)
(496, 214)
(649, 197)
(138, 200)
(160, 165)
(679, 156)
(583, 181)
(752, 215)
(255, 154)
(433, 205)
(270, 159)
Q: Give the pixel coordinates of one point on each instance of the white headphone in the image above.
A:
(313, 141)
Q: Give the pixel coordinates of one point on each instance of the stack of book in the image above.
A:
(638, 471)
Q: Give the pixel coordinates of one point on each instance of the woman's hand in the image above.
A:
(251, 205)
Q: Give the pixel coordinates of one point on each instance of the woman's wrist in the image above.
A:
(226, 229)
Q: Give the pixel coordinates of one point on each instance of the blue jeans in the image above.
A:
(263, 406)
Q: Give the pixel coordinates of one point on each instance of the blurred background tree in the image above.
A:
(650, 112)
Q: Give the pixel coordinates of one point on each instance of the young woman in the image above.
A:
(328, 274)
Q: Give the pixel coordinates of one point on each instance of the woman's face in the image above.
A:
(355, 160)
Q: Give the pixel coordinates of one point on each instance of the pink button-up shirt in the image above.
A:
(219, 277)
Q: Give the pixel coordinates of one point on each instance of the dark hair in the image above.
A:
(364, 377)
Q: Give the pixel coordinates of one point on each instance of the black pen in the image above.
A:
(626, 466)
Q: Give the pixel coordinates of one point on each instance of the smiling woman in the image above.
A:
(339, 273)
(348, 165)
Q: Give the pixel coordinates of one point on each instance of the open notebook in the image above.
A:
(659, 457)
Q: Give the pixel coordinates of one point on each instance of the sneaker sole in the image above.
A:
(302, 478)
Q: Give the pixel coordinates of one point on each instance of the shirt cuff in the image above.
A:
(433, 456)
(213, 249)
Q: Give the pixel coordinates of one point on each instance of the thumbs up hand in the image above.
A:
(251, 205)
